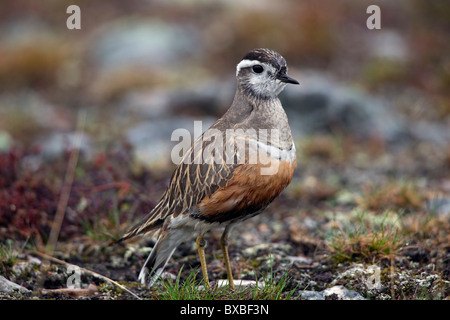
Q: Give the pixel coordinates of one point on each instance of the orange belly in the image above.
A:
(249, 191)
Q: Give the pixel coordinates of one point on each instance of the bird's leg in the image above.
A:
(224, 247)
(201, 244)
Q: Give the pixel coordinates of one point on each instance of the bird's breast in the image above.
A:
(253, 186)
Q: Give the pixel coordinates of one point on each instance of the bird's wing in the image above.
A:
(191, 182)
(221, 188)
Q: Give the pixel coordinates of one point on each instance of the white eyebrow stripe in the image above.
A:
(245, 64)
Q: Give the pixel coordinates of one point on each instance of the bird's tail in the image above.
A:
(159, 256)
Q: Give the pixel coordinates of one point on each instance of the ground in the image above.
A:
(385, 239)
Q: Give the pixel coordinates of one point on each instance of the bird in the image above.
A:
(210, 191)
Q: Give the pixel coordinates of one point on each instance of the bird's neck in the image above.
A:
(250, 112)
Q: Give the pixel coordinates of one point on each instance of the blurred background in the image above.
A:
(371, 121)
(142, 68)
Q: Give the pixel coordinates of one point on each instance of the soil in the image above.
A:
(312, 232)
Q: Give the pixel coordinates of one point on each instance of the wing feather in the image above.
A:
(189, 185)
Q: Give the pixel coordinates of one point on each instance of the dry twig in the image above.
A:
(95, 274)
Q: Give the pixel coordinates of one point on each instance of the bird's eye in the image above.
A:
(257, 68)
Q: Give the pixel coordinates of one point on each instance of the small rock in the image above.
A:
(5, 141)
(168, 275)
(388, 44)
(312, 295)
(266, 247)
(298, 260)
(11, 287)
(56, 143)
(341, 293)
(440, 206)
(151, 140)
(23, 268)
(143, 42)
(34, 260)
(241, 283)
(334, 293)
(323, 105)
(438, 134)
(202, 99)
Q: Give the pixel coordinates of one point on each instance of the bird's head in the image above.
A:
(262, 74)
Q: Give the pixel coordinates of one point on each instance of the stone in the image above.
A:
(388, 44)
(239, 284)
(56, 143)
(300, 260)
(5, 141)
(440, 206)
(334, 293)
(151, 140)
(312, 295)
(210, 98)
(143, 42)
(11, 287)
(323, 105)
(341, 293)
(436, 133)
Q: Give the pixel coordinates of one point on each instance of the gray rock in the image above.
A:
(11, 287)
(25, 29)
(312, 295)
(439, 206)
(388, 44)
(341, 293)
(321, 105)
(334, 293)
(294, 260)
(56, 143)
(5, 141)
(207, 98)
(151, 140)
(22, 268)
(239, 284)
(436, 133)
(149, 42)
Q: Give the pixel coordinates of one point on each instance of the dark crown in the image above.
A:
(267, 56)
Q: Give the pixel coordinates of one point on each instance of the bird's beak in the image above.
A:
(283, 77)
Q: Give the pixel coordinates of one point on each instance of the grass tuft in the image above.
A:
(192, 288)
(368, 240)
